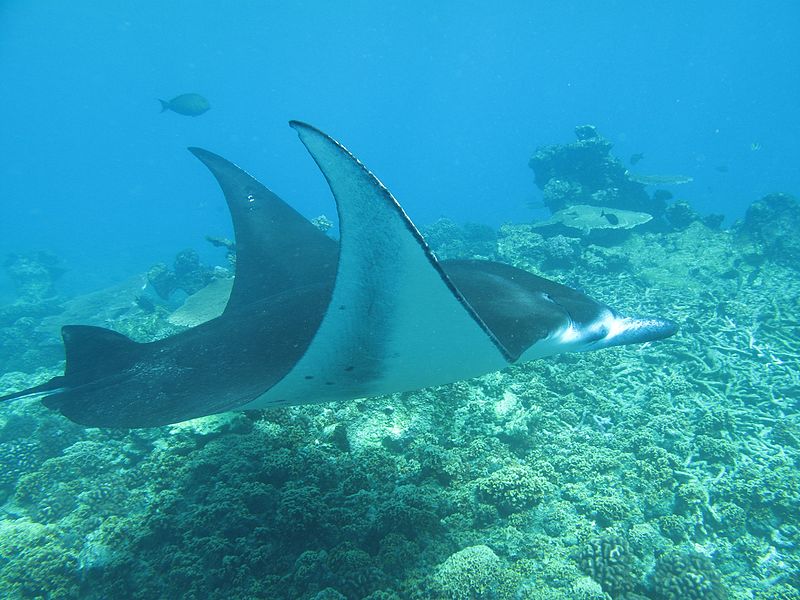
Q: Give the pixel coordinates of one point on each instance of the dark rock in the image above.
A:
(773, 223)
(680, 215)
(188, 274)
(584, 172)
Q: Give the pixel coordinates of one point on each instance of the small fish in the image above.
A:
(611, 218)
(190, 105)
(721, 168)
(145, 304)
(755, 146)
(635, 158)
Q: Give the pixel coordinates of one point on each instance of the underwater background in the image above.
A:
(644, 152)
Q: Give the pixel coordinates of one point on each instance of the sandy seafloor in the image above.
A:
(668, 470)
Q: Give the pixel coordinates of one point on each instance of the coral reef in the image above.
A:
(537, 252)
(584, 172)
(686, 577)
(34, 275)
(512, 489)
(187, 274)
(681, 215)
(773, 223)
(474, 572)
(35, 562)
(450, 240)
(609, 561)
(661, 472)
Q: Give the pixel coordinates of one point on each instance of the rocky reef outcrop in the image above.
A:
(187, 274)
(771, 224)
(34, 274)
(585, 172)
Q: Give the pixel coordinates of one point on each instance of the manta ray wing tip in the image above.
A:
(200, 153)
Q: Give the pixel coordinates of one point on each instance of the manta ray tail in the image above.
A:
(53, 386)
(92, 353)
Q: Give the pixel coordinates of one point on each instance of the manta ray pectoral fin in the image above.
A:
(395, 321)
(92, 353)
(277, 249)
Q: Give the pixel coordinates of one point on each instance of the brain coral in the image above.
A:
(609, 561)
(688, 576)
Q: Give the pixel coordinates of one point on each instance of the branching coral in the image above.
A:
(474, 572)
(512, 489)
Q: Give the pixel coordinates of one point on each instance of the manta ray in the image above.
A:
(311, 319)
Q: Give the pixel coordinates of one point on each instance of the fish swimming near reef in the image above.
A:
(660, 179)
(610, 217)
(190, 105)
(310, 319)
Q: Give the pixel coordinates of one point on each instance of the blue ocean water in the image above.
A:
(444, 102)
(662, 470)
